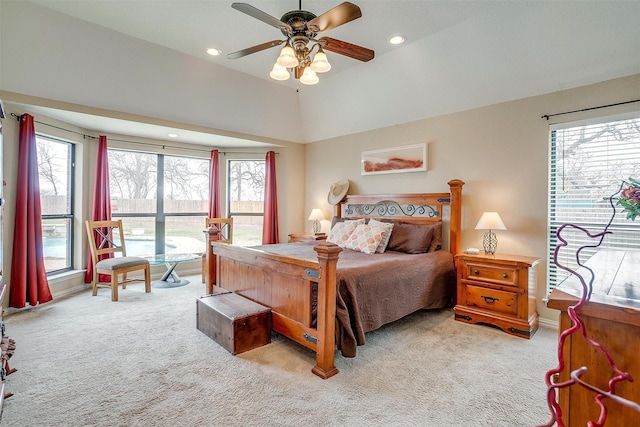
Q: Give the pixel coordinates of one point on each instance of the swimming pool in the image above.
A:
(55, 247)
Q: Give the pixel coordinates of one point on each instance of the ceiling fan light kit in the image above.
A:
(279, 72)
(287, 58)
(300, 29)
(309, 77)
(320, 62)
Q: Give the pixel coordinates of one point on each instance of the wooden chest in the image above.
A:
(236, 323)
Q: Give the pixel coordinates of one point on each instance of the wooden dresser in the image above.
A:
(498, 290)
(612, 318)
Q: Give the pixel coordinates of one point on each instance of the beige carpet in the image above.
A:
(85, 361)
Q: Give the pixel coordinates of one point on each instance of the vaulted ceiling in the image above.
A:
(458, 54)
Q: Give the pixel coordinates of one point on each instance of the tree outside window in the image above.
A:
(246, 200)
(55, 168)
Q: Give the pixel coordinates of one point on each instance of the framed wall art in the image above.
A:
(407, 158)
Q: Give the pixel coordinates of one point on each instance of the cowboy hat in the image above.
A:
(337, 191)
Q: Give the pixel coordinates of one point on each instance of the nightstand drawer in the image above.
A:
(489, 273)
(492, 299)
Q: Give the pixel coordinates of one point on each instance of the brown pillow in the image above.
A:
(337, 219)
(410, 238)
(436, 242)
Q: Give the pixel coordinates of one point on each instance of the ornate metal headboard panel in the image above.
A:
(418, 208)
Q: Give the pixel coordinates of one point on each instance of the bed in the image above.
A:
(326, 297)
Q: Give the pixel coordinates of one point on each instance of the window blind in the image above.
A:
(588, 164)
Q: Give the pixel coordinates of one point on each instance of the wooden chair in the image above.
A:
(225, 225)
(107, 237)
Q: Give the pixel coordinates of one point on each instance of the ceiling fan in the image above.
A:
(300, 29)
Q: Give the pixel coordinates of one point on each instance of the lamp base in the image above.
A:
(316, 227)
(490, 242)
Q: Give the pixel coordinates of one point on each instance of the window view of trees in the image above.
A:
(246, 200)
(55, 166)
(162, 200)
(587, 165)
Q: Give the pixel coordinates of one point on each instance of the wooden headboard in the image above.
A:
(417, 208)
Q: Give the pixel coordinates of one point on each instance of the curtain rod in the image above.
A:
(185, 148)
(18, 117)
(547, 116)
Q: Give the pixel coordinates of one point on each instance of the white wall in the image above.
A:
(54, 56)
(500, 151)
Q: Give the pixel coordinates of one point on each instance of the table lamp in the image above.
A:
(490, 221)
(316, 216)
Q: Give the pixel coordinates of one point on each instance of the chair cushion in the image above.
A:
(121, 262)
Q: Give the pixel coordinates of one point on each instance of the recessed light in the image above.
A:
(172, 135)
(397, 39)
(213, 51)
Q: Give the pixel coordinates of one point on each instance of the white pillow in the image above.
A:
(340, 232)
(386, 227)
(365, 239)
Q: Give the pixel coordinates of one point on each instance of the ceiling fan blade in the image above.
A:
(254, 49)
(347, 49)
(337, 16)
(262, 16)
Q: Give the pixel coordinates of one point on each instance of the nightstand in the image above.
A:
(298, 237)
(498, 290)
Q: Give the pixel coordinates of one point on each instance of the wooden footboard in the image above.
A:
(286, 286)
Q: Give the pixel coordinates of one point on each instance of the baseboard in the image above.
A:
(547, 323)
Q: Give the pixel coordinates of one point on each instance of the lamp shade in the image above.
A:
(490, 221)
(316, 214)
(287, 58)
(309, 77)
(279, 72)
(320, 62)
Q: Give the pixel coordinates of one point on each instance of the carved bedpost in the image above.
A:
(327, 288)
(455, 225)
(210, 271)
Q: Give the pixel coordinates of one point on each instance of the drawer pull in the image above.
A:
(489, 300)
(505, 276)
(476, 272)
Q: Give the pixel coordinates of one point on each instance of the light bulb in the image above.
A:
(279, 72)
(320, 62)
(309, 77)
(287, 58)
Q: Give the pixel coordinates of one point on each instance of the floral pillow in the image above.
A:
(365, 239)
(339, 233)
(386, 227)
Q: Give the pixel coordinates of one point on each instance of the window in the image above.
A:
(588, 163)
(55, 168)
(162, 200)
(246, 200)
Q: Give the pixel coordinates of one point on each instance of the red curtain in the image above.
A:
(270, 220)
(101, 202)
(28, 275)
(214, 186)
